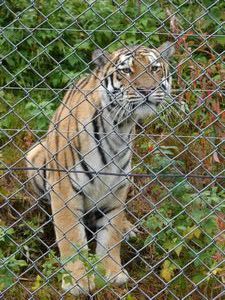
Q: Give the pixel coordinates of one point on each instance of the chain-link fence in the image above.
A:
(112, 179)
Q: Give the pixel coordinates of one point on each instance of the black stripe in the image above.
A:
(120, 187)
(74, 147)
(57, 120)
(107, 69)
(41, 193)
(98, 228)
(70, 142)
(97, 138)
(111, 94)
(78, 210)
(115, 122)
(85, 167)
(44, 175)
(118, 58)
(81, 82)
(98, 215)
(37, 186)
(106, 138)
(77, 190)
(106, 83)
(93, 216)
(72, 154)
(112, 103)
(102, 123)
(125, 165)
(57, 152)
(111, 81)
(82, 161)
(106, 210)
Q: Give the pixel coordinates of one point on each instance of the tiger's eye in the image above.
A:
(154, 68)
(126, 70)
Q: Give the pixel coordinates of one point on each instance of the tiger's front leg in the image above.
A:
(109, 240)
(71, 238)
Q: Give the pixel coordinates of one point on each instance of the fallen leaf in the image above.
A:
(215, 157)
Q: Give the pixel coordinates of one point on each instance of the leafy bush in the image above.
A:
(59, 49)
(186, 229)
(10, 264)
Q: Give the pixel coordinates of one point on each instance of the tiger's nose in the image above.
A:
(145, 92)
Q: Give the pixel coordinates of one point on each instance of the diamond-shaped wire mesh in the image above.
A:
(111, 178)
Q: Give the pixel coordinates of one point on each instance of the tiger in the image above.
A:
(76, 167)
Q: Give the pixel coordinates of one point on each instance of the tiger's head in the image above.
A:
(135, 78)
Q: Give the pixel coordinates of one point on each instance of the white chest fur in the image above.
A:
(101, 182)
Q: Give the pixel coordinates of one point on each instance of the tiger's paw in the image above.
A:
(76, 281)
(82, 287)
(130, 231)
(118, 278)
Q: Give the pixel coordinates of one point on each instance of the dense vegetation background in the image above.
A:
(47, 44)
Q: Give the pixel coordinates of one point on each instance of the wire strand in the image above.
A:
(121, 134)
(107, 30)
(143, 175)
(86, 90)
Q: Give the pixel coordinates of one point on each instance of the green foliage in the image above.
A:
(160, 160)
(185, 226)
(93, 267)
(10, 265)
(51, 269)
(59, 50)
(41, 112)
(93, 264)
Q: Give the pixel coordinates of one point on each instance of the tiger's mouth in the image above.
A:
(146, 102)
(152, 96)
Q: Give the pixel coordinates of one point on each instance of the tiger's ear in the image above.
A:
(100, 57)
(166, 50)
